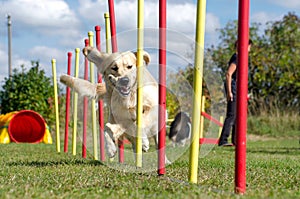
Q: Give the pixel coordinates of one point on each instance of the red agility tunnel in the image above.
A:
(26, 126)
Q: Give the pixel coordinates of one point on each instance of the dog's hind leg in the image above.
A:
(145, 143)
(84, 87)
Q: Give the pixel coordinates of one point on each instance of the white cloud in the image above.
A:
(92, 11)
(43, 18)
(212, 23)
(3, 63)
(3, 56)
(264, 17)
(43, 13)
(126, 19)
(294, 4)
(181, 17)
(46, 54)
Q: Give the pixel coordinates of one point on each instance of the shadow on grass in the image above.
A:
(277, 150)
(55, 163)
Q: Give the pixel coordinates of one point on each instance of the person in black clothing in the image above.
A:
(230, 89)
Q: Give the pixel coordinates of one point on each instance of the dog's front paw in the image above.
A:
(115, 129)
(100, 89)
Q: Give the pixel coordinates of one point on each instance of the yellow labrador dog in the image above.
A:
(119, 91)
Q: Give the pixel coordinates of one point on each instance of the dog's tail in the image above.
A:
(84, 87)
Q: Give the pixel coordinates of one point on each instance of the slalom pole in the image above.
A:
(198, 74)
(107, 32)
(202, 118)
(220, 127)
(115, 49)
(75, 103)
(92, 78)
(68, 93)
(242, 91)
(162, 87)
(56, 106)
(140, 42)
(100, 102)
(111, 8)
(85, 104)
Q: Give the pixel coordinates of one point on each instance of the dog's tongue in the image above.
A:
(124, 89)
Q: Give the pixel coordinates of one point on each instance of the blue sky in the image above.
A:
(47, 29)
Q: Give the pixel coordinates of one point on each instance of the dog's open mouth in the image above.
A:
(122, 85)
(123, 90)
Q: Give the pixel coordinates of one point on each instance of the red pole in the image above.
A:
(100, 102)
(242, 91)
(209, 117)
(68, 93)
(112, 25)
(85, 104)
(162, 87)
(115, 49)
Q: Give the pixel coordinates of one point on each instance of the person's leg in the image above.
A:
(233, 135)
(229, 121)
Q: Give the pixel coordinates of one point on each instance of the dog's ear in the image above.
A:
(93, 55)
(146, 57)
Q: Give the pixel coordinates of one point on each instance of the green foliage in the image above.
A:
(182, 82)
(30, 90)
(276, 70)
(274, 63)
(179, 92)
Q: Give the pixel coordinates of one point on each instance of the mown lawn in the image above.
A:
(38, 171)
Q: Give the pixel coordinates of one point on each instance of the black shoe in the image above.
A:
(226, 144)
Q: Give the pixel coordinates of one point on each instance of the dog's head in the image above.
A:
(118, 69)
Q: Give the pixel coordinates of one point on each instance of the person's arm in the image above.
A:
(229, 73)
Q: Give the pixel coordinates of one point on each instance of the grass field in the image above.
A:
(38, 171)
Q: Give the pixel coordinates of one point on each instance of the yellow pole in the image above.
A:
(198, 73)
(75, 103)
(94, 119)
(107, 32)
(202, 117)
(220, 128)
(140, 59)
(56, 106)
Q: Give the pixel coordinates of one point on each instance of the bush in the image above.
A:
(28, 90)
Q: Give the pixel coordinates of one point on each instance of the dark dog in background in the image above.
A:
(180, 129)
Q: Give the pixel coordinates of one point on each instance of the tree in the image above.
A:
(274, 62)
(276, 67)
(180, 85)
(30, 90)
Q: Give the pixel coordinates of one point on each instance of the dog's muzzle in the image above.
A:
(123, 86)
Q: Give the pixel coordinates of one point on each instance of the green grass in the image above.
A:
(38, 171)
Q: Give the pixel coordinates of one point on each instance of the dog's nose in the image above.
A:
(124, 81)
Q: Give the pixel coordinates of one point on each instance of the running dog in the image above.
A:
(119, 72)
(180, 129)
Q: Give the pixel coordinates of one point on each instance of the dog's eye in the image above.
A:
(129, 66)
(115, 68)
